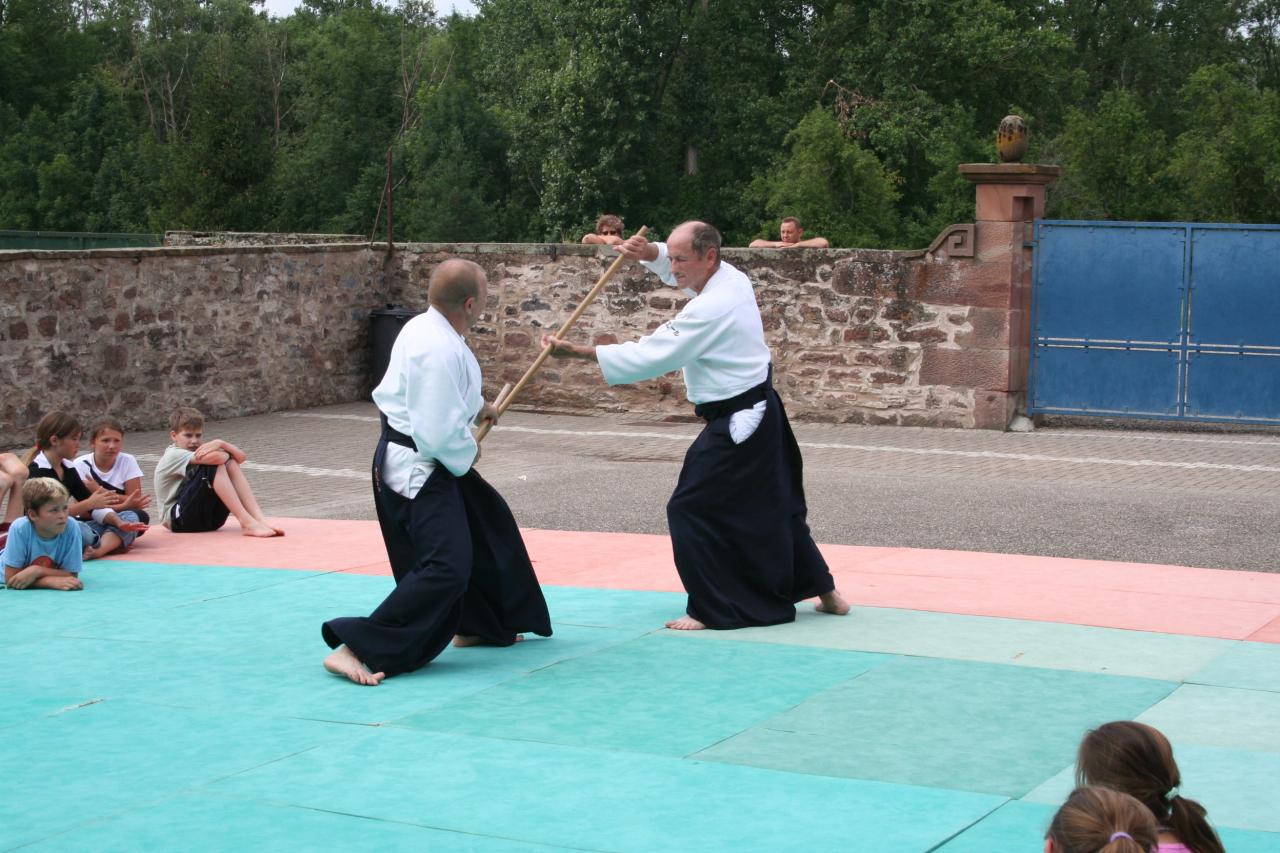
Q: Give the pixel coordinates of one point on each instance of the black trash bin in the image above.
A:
(384, 327)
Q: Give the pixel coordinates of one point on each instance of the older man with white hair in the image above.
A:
(738, 515)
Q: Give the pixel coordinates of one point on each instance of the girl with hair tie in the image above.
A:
(1137, 759)
(1099, 820)
(54, 453)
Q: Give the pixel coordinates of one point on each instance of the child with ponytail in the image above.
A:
(1137, 759)
(57, 442)
(1099, 820)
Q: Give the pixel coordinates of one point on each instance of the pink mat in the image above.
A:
(1136, 596)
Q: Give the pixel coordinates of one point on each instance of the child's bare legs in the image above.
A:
(230, 486)
(107, 543)
(12, 475)
(246, 493)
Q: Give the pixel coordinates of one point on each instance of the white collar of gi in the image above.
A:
(711, 282)
(442, 321)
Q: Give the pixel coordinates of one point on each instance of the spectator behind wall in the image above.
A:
(792, 238)
(608, 231)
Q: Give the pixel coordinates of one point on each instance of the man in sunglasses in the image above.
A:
(608, 231)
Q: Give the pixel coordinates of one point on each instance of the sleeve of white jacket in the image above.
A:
(439, 416)
(669, 347)
(661, 267)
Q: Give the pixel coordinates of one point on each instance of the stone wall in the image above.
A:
(136, 332)
(918, 338)
(858, 336)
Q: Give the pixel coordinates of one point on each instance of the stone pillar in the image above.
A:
(1009, 197)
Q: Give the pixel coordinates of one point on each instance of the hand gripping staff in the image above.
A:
(508, 393)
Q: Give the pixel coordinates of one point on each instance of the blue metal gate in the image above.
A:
(1156, 320)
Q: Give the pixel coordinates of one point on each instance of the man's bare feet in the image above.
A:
(685, 623)
(344, 662)
(462, 642)
(832, 602)
(259, 530)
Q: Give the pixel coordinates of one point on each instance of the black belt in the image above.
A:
(394, 436)
(723, 408)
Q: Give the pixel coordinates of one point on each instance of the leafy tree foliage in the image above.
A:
(535, 116)
(824, 176)
(1118, 158)
(1225, 165)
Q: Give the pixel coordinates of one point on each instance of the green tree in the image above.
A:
(1262, 46)
(577, 83)
(1226, 165)
(1148, 47)
(223, 157)
(20, 157)
(455, 160)
(351, 62)
(42, 52)
(921, 83)
(832, 184)
(1113, 161)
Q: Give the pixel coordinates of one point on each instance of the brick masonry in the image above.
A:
(928, 338)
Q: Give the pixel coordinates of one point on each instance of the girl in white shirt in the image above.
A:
(111, 468)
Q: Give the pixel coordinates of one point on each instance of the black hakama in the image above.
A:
(737, 520)
(460, 567)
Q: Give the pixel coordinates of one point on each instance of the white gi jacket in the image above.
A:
(431, 393)
(717, 339)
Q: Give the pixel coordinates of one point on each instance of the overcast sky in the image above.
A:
(283, 8)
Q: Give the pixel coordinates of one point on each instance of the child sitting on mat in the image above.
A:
(200, 484)
(112, 469)
(57, 443)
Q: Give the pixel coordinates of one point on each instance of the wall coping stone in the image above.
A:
(176, 251)
(551, 250)
(1010, 173)
(259, 238)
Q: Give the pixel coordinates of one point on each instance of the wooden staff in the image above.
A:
(505, 397)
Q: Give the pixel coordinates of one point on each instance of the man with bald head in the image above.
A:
(460, 565)
(738, 515)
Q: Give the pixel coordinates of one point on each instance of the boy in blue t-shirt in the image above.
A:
(43, 551)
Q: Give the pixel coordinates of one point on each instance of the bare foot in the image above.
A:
(685, 623)
(832, 602)
(344, 662)
(279, 530)
(462, 642)
(259, 530)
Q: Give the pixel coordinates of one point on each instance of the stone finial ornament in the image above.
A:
(1011, 139)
